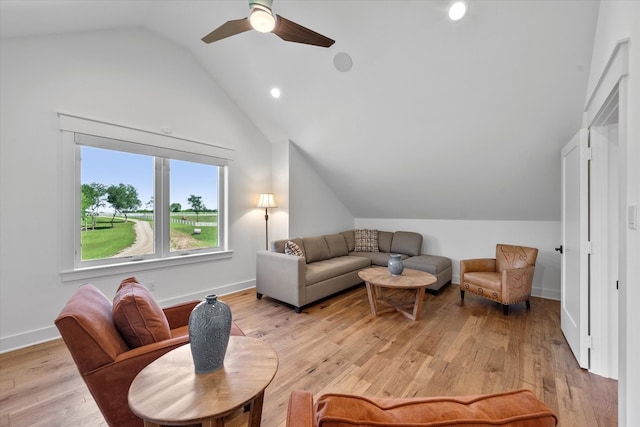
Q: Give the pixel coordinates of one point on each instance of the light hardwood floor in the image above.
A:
(337, 346)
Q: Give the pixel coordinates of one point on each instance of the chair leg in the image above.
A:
(505, 309)
(528, 304)
(461, 294)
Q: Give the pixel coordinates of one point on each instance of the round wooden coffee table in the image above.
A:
(169, 392)
(377, 278)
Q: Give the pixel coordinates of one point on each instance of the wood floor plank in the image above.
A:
(336, 345)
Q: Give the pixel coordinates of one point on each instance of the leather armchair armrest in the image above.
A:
(178, 315)
(516, 284)
(300, 410)
(109, 384)
(477, 264)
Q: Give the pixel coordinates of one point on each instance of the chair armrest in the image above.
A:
(516, 284)
(281, 276)
(477, 264)
(178, 315)
(109, 384)
(300, 410)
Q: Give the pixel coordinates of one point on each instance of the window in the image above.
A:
(145, 199)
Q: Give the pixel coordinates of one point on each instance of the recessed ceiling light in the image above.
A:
(457, 10)
(275, 92)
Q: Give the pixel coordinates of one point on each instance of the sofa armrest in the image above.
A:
(178, 315)
(281, 276)
(300, 410)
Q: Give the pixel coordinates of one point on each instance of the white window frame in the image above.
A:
(78, 131)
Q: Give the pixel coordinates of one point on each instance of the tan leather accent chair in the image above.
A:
(506, 279)
(105, 361)
(518, 408)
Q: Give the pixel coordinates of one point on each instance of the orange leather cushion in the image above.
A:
(138, 317)
(518, 408)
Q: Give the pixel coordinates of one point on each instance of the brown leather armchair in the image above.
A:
(507, 278)
(104, 359)
(519, 408)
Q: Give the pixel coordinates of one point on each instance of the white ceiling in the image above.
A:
(436, 119)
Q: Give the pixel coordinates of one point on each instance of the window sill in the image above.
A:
(143, 265)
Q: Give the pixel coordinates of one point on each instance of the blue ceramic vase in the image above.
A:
(209, 330)
(395, 264)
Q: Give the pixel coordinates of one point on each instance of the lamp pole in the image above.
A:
(266, 201)
(266, 229)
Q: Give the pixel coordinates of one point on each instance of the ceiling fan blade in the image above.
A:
(292, 32)
(228, 29)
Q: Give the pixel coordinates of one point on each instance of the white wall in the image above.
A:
(618, 20)
(458, 239)
(314, 207)
(128, 77)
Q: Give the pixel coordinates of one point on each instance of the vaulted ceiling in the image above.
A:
(436, 119)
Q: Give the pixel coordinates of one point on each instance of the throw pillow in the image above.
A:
(366, 240)
(138, 317)
(291, 248)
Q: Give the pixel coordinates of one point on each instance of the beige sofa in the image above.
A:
(330, 264)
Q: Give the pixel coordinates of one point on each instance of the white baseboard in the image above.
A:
(38, 336)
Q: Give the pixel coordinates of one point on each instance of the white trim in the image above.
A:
(37, 336)
(89, 126)
(132, 267)
(617, 67)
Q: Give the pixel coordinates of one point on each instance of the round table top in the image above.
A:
(168, 391)
(409, 279)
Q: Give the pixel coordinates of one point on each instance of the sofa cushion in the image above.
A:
(334, 267)
(376, 258)
(518, 408)
(406, 242)
(315, 249)
(433, 264)
(366, 240)
(290, 248)
(350, 238)
(337, 245)
(384, 241)
(138, 317)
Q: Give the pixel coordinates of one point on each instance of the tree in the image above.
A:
(150, 204)
(92, 199)
(123, 198)
(175, 207)
(196, 204)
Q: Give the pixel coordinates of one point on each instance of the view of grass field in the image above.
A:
(105, 241)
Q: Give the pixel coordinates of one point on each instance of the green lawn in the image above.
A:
(105, 242)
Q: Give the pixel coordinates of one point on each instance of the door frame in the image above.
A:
(614, 77)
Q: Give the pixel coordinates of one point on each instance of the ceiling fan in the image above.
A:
(262, 19)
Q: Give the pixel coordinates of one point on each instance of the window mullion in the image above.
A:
(161, 210)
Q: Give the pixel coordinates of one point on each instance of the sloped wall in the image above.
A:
(128, 77)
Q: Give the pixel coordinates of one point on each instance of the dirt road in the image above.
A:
(144, 240)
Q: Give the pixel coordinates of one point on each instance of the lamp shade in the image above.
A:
(266, 201)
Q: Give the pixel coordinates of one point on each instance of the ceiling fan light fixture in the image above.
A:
(457, 10)
(261, 19)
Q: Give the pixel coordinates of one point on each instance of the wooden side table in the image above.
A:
(377, 278)
(169, 392)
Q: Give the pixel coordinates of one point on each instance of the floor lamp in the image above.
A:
(266, 201)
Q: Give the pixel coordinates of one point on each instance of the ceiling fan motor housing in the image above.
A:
(264, 3)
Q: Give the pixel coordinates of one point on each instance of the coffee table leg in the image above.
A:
(255, 410)
(373, 297)
(417, 306)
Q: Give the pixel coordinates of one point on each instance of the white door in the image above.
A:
(574, 312)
